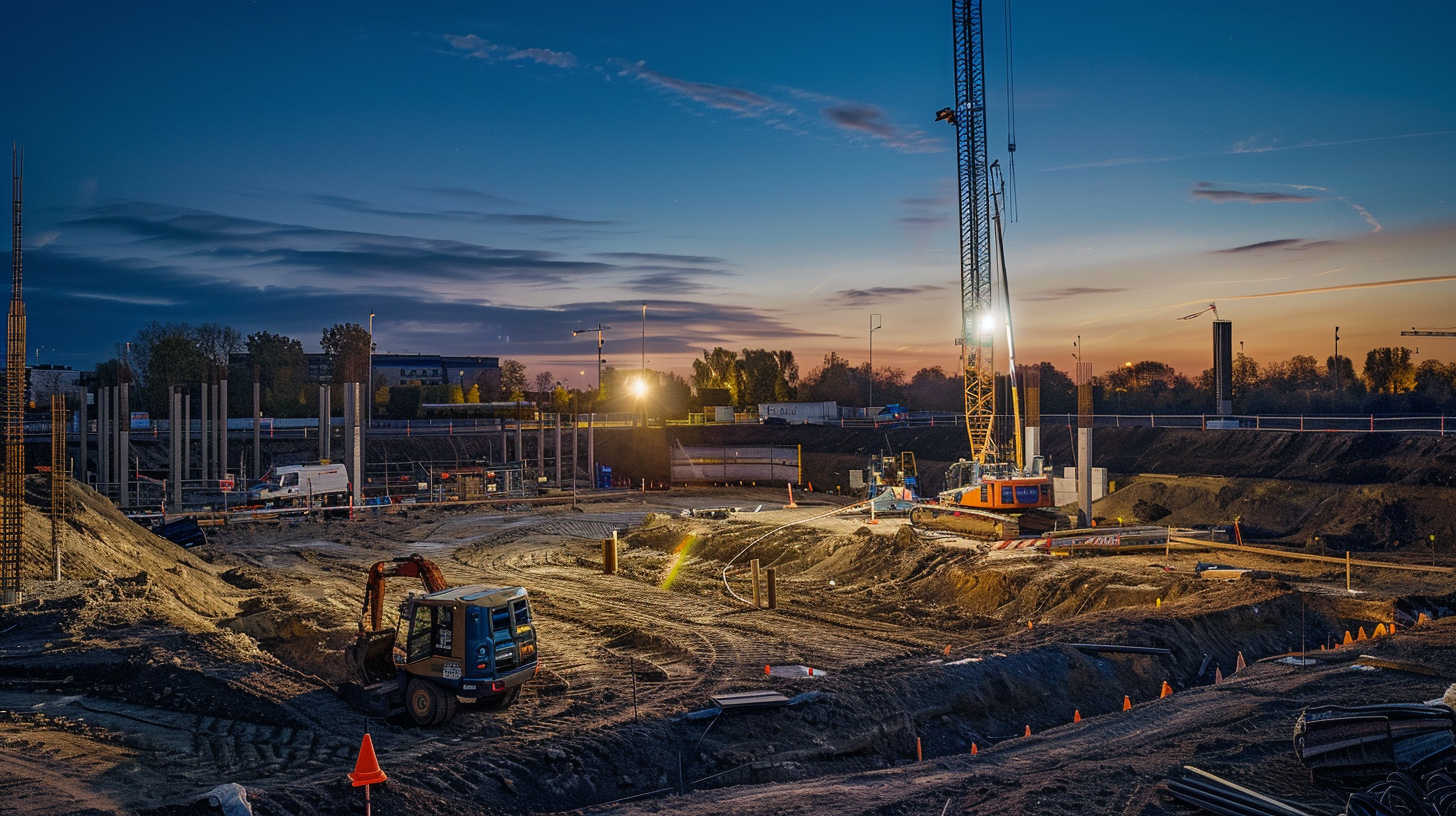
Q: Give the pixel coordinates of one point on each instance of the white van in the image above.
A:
(290, 484)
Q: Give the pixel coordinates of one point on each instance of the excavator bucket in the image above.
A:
(371, 656)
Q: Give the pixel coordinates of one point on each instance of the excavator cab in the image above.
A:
(452, 644)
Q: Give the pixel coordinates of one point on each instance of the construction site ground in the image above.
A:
(152, 673)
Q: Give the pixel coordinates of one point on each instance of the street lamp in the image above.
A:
(370, 414)
(870, 384)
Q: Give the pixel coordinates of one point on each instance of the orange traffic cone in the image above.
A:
(1166, 692)
(791, 503)
(1076, 715)
(366, 768)
(1027, 733)
(1379, 631)
(1348, 640)
(1126, 703)
(1423, 618)
(1361, 635)
(1030, 625)
(1239, 664)
(1217, 675)
(1392, 627)
(947, 650)
(811, 487)
(766, 671)
(974, 749)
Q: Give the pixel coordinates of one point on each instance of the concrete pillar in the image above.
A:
(204, 435)
(257, 429)
(591, 451)
(175, 437)
(556, 450)
(520, 447)
(540, 446)
(1031, 378)
(102, 473)
(222, 427)
(123, 445)
(356, 441)
(575, 451)
(186, 433)
(83, 421)
(504, 452)
(1084, 445)
(326, 428)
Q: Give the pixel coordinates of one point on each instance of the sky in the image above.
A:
(486, 177)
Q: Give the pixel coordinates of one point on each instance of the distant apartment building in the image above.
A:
(407, 369)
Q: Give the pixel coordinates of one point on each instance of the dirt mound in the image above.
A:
(1357, 518)
(120, 561)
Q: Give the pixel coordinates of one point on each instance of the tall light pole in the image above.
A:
(870, 380)
(599, 328)
(1336, 361)
(370, 414)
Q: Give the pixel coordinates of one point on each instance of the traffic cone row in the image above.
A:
(791, 503)
(1166, 692)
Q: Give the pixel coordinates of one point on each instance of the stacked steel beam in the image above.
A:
(1364, 738)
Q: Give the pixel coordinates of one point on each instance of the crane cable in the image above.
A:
(1013, 207)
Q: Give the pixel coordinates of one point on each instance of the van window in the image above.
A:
(289, 480)
(500, 623)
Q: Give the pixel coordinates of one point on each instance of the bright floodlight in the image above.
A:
(639, 388)
(987, 323)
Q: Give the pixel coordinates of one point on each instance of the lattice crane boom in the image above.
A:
(973, 176)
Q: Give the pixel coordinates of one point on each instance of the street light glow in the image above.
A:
(639, 387)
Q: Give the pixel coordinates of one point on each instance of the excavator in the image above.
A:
(473, 644)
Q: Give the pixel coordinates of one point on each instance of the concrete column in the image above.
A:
(355, 429)
(1084, 451)
(204, 435)
(1031, 377)
(174, 422)
(504, 452)
(257, 429)
(575, 451)
(186, 433)
(123, 445)
(83, 421)
(591, 450)
(540, 446)
(222, 428)
(520, 447)
(556, 421)
(103, 464)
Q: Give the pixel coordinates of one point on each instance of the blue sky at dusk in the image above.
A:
(486, 177)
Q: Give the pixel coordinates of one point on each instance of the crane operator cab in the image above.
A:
(473, 644)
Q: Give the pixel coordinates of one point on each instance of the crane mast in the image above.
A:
(973, 175)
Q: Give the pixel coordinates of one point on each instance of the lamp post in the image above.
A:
(870, 380)
(369, 415)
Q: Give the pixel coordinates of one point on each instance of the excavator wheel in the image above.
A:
(424, 701)
(451, 705)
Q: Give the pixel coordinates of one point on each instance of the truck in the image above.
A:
(466, 644)
(801, 413)
(291, 484)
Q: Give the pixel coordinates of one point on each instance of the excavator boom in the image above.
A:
(412, 566)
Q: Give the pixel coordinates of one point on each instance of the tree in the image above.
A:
(836, 380)
(457, 395)
(1340, 370)
(164, 355)
(1302, 371)
(544, 380)
(513, 380)
(763, 376)
(1388, 370)
(1245, 374)
(931, 389)
(217, 342)
(719, 369)
(348, 349)
(404, 401)
(473, 395)
(282, 370)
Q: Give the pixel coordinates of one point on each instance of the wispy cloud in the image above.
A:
(476, 47)
(1066, 292)
(131, 300)
(1287, 243)
(1206, 190)
(1248, 146)
(473, 216)
(659, 257)
(1375, 226)
(857, 297)
(739, 101)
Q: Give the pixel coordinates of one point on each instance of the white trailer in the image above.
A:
(801, 413)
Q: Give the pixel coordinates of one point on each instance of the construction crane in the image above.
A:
(991, 494)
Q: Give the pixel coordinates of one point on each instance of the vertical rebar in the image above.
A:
(14, 481)
(60, 507)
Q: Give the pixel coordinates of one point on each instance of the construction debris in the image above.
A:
(1374, 737)
(1114, 648)
(1218, 795)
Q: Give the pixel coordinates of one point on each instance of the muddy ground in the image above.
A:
(152, 673)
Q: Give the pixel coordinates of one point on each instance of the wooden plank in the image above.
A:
(1327, 559)
(1398, 665)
